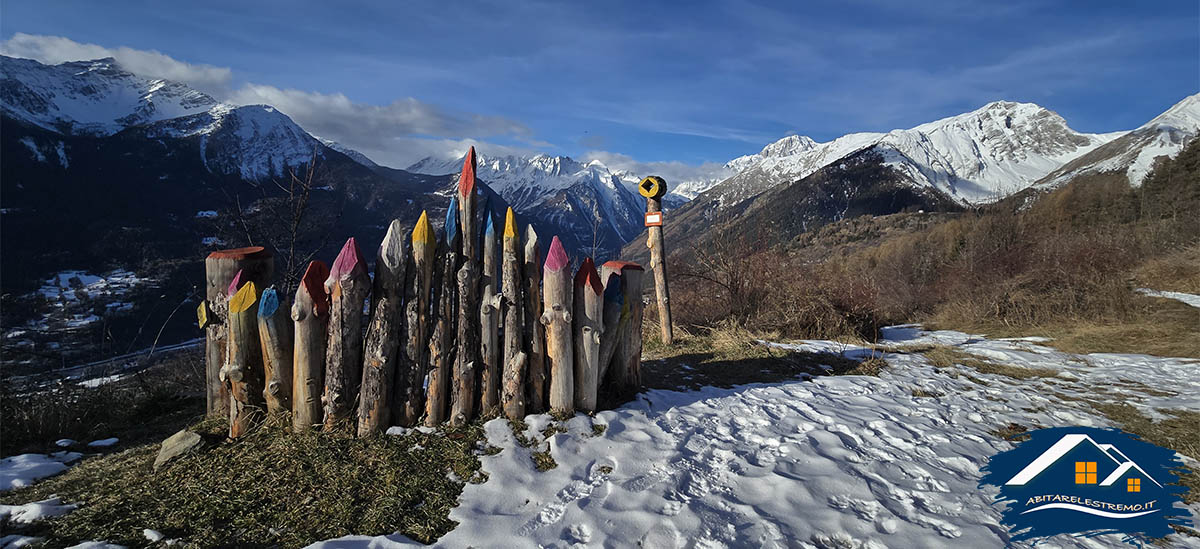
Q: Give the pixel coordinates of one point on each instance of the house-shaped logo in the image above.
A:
(1086, 480)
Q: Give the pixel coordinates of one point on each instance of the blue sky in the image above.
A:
(637, 82)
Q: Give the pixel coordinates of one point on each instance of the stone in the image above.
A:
(177, 445)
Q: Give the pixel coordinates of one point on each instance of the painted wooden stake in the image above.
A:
(463, 397)
(441, 346)
(658, 253)
(535, 332)
(275, 335)
(466, 206)
(512, 398)
(613, 317)
(625, 373)
(410, 388)
(381, 352)
(556, 315)
(348, 285)
(489, 322)
(245, 367)
(310, 316)
(219, 269)
(587, 326)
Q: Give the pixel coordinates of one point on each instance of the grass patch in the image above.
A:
(274, 488)
(598, 429)
(945, 356)
(1012, 432)
(922, 393)
(1179, 432)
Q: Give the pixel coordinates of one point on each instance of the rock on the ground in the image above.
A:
(177, 445)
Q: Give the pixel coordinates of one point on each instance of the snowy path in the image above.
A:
(835, 462)
(1190, 299)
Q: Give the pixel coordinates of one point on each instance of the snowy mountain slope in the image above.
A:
(1134, 152)
(353, 154)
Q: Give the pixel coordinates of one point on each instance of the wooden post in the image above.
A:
(348, 285)
(410, 389)
(275, 334)
(220, 267)
(556, 315)
(586, 328)
(462, 397)
(512, 399)
(625, 373)
(613, 317)
(245, 368)
(441, 346)
(466, 205)
(381, 351)
(653, 188)
(489, 322)
(535, 332)
(310, 316)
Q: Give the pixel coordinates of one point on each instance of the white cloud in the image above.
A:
(675, 173)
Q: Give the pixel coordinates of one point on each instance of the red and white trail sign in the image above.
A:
(654, 219)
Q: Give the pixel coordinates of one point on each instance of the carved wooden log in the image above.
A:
(410, 388)
(466, 206)
(275, 334)
(381, 352)
(245, 367)
(613, 301)
(625, 373)
(310, 316)
(348, 285)
(219, 269)
(587, 325)
(658, 264)
(441, 347)
(489, 322)
(535, 332)
(556, 315)
(512, 398)
(462, 398)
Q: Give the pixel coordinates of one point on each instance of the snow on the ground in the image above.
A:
(64, 443)
(849, 461)
(16, 541)
(21, 471)
(97, 545)
(35, 511)
(98, 381)
(1190, 299)
(103, 443)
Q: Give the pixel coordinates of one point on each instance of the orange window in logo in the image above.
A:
(1085, 472)
(1133, 485)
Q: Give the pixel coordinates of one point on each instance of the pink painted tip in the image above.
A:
(235, 284)
(348, 259)
(587, 276)
(313, 282)
(466, 181)
(556, 258)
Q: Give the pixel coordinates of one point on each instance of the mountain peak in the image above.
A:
(1184, 116)
(789, 145)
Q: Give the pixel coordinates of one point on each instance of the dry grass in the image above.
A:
(945, 356)
(1180, 432)
(1176, 272)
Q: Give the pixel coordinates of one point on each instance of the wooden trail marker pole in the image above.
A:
(256, 264)
(275, 335)
(489, 322)
(245, 368)
(410, 389)
(653, 188)
(625, 372)
(587, 327)
(614, 299)
(348, 285)
(441, 346)
(310, 316)
(381, 352)
(512, 398)
(556, 316)
(535, 332)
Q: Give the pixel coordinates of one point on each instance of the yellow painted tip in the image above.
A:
(244, 298)
(423, 232)
(510, 224)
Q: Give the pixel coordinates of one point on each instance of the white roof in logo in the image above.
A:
(1066, 444)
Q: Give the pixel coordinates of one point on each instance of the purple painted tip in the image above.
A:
(556, 258)
(235, 284)
(347, 260)
(587, 276)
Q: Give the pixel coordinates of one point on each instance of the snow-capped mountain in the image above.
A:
(1135, 151)
(975, 157)
(590, 207)
(99, 99)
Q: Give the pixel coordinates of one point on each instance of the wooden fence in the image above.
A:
(472, 323)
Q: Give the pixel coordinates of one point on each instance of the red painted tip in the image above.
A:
(624, 266)
(556, 258)
(466, 181)
(235, 284)
(348, 259)
(587, 275)
(314, 283)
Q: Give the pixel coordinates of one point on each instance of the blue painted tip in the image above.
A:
(451, 227)
(612, 289)
(490, 228)
(268, 303)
